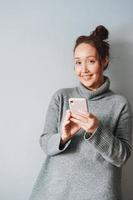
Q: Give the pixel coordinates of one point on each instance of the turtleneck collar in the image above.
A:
(89, 94)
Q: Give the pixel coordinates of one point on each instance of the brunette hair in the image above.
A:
(96, 39)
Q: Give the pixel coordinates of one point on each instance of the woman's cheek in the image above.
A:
(96, 70)
(78, 71)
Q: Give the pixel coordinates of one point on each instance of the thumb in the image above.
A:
(68, 113)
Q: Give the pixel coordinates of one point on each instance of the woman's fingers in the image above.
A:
(85, 114)
(80, 117)
(67, 118)
(76, 121)
(66, 122)
(82, 124)
(68, 113)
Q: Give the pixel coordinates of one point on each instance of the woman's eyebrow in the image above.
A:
(86, 57)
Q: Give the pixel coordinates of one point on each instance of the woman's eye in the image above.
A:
(92, 61)
(78, 63)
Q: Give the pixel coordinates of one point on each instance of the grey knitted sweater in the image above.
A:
(85, 168)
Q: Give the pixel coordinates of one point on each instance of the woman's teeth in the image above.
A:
(87, 77)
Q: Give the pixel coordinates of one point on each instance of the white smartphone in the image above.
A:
(78, 105)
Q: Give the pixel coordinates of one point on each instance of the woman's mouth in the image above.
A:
(86, 77)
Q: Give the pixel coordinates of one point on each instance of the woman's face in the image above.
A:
(88, 67)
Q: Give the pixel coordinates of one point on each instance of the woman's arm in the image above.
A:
(50, 140)
(114, 147)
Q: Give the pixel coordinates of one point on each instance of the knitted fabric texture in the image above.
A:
(85, 168)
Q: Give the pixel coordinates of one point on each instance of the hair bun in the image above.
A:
(100, 33)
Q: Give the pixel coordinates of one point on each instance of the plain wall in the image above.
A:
(36, 59)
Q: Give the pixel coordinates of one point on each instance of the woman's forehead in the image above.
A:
(85, 51)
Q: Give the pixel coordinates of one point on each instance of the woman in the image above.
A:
(85, 152)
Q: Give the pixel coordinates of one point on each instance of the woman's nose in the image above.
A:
(85, 67)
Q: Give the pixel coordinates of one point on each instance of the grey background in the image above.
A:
(36, 43)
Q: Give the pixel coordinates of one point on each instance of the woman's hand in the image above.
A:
(86, 120)
(69, 128)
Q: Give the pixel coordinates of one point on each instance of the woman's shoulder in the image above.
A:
(63, 92)
(119, 98)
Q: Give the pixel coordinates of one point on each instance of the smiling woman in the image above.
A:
(88, 67)
(91, 55)
(85, 152)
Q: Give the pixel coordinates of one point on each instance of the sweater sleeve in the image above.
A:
(50, 139)
(115, 147)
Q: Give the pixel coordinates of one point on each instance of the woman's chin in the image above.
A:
(87, 84)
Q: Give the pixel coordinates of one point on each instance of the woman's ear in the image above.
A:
(105, 62)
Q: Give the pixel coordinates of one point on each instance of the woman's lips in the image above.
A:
(86, 77)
